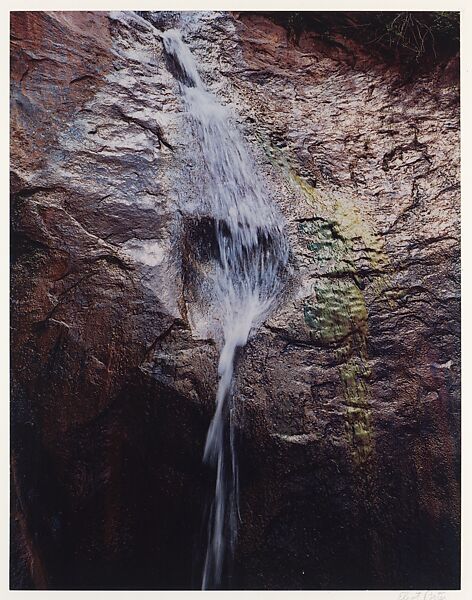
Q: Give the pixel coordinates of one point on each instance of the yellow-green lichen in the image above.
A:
(354, 374)
(340, 241)
(336, 314)
(326, 248)
(336, 310)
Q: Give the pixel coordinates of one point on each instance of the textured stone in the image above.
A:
(347, 398)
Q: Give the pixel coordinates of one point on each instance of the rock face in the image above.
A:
(347, 397)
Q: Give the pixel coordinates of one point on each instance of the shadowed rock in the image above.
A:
(347, 399)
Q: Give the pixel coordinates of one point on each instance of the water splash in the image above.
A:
(241, 288)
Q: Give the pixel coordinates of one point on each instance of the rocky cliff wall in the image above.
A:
(347, 397)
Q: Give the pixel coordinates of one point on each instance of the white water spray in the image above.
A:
(243, 285)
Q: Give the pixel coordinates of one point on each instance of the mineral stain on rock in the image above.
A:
(346, 399)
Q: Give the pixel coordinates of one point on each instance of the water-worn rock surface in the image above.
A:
(347, 398)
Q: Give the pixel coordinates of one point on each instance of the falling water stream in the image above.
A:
(242, 286)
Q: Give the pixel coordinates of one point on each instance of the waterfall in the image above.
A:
(242, 286)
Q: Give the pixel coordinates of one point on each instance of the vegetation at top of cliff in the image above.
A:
(416, 38)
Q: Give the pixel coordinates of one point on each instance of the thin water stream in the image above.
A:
(241, 288)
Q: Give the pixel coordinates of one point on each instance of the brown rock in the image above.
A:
(347, 397)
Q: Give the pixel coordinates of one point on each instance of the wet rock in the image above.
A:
(347, 398)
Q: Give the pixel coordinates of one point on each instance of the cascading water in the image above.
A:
(242, 286)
